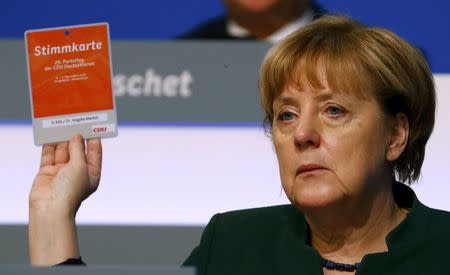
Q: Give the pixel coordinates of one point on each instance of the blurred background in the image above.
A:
(184, 154)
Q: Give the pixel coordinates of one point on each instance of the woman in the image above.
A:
(349, 109)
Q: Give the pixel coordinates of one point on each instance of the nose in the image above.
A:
(307, 134)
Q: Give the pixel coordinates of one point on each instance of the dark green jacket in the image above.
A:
(273, 240)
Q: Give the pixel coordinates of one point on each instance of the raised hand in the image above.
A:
(68, 174)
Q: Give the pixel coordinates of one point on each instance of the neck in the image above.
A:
(347, 232)
(262, 24)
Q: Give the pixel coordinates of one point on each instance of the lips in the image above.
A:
(304, 169)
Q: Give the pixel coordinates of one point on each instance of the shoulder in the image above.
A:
(437, 222)
(254, 227)
(269, 217)
(426, 237)
(246, 234)
(423, 221)
(428, 228)
(260, 212)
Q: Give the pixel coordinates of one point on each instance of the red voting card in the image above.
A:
(70, 79)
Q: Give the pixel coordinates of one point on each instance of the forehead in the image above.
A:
(324, 81)
(315, 67)
(322, 84)
(290, 95)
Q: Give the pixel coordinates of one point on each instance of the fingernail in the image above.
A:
(76, 137)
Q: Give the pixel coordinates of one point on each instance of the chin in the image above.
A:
(256, 6)
(320, 195)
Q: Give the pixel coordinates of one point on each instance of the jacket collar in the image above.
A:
(296, 253)
(405, 234)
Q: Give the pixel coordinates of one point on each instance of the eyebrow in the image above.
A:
(319, 97)
(284, 100)
(325, 96)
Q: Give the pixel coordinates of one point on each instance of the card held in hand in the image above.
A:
(70, 80)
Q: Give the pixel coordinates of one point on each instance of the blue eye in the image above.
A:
(286, 116)
(335, 111)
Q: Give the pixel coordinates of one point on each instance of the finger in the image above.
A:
(76, 149)
(48, 155)
(94, 161)
(62, 153)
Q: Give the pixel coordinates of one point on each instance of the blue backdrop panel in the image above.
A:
(425, 24)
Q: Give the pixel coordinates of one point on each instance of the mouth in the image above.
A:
(310, 169)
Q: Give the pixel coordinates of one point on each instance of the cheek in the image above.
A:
(355, 156)
(286, 159)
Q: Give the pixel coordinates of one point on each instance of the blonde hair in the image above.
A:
(364, 61)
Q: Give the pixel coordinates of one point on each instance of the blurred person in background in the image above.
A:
(268, 20)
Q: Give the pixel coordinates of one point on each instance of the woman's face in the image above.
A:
(330, 146)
